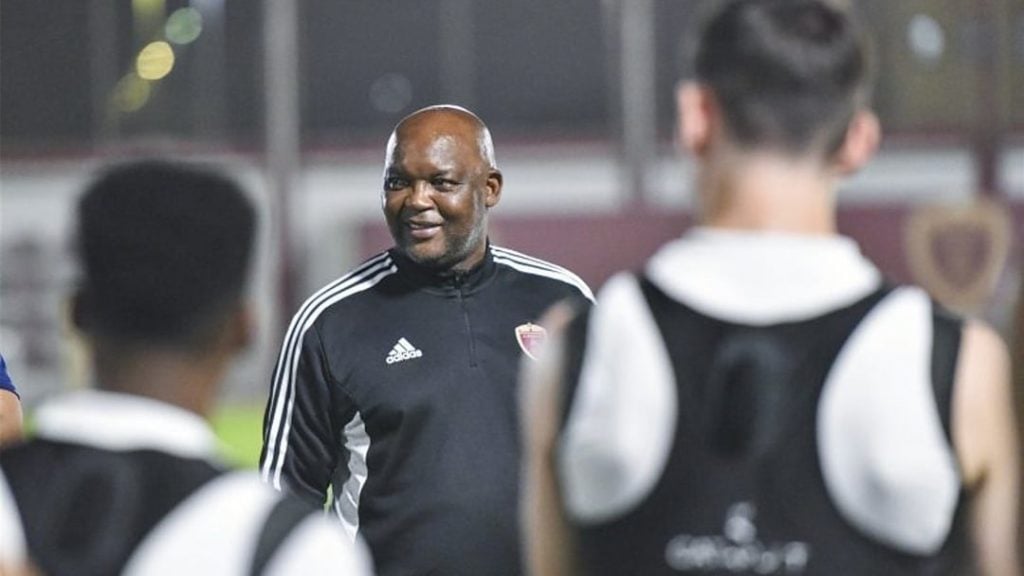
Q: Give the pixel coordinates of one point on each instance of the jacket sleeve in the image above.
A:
(299, 448)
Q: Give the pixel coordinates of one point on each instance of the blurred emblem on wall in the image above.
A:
(960, 252)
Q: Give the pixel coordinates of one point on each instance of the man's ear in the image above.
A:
(494, 182)
(863, 136)
(695, 118)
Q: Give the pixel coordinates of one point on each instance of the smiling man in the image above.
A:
(396, 384)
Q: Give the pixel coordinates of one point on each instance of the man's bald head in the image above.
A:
(448, 119)
(439, 182)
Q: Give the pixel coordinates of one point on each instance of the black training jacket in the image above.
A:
(396, 389)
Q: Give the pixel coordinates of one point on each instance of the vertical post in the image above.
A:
(986, 133)
(103, 73)
(637, 91)
(208, 91)
(611, 15)
(458, 65)
(280, 37)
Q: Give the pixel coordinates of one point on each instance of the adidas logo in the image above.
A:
(403, 351)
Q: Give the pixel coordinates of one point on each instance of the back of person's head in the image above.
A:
(164, 250)
(788, 74)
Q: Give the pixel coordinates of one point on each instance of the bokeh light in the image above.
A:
(155, 61)
(184, 26)
(148, 6)
(147, 18)
(926, 38)
(131, 93)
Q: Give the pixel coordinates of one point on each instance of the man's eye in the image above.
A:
(444, 184)
(394, 184)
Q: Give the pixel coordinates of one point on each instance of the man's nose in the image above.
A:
(421, 194)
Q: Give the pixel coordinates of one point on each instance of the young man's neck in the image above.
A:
(764, 192)
(184, 380)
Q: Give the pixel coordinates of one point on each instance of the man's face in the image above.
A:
(437, 189)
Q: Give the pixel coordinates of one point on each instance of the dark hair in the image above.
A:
(789, 74)
(164, 250)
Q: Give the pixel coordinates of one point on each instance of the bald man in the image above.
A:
(395, 390)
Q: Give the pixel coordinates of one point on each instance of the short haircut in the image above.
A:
(788, 74)
(164, 250)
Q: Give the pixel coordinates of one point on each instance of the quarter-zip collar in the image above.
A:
(451, 285)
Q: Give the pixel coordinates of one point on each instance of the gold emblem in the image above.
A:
(531, 338)
(957, 252)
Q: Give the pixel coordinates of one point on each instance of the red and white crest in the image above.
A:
(531, 338)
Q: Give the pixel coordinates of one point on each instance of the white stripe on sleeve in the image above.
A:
(283, 392)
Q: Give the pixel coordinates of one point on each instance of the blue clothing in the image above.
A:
(5, 380)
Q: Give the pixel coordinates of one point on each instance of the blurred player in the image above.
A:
(124, 478)
(758, 400)
(10, 407)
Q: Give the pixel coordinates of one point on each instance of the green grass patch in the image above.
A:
(240, 429)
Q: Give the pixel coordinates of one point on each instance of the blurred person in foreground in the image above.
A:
(10, 407)
(124, 478)
(1017, 357)
(759, 400)
(396, 384)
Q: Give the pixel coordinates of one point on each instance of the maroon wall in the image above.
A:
(596, 246)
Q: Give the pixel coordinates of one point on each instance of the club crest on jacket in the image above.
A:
(531, 338)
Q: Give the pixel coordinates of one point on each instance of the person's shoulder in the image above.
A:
(296, 537)
(542, 270)
(349, 288)
(983, 374)
(5, 378)
(319, 545)
(254, 525)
